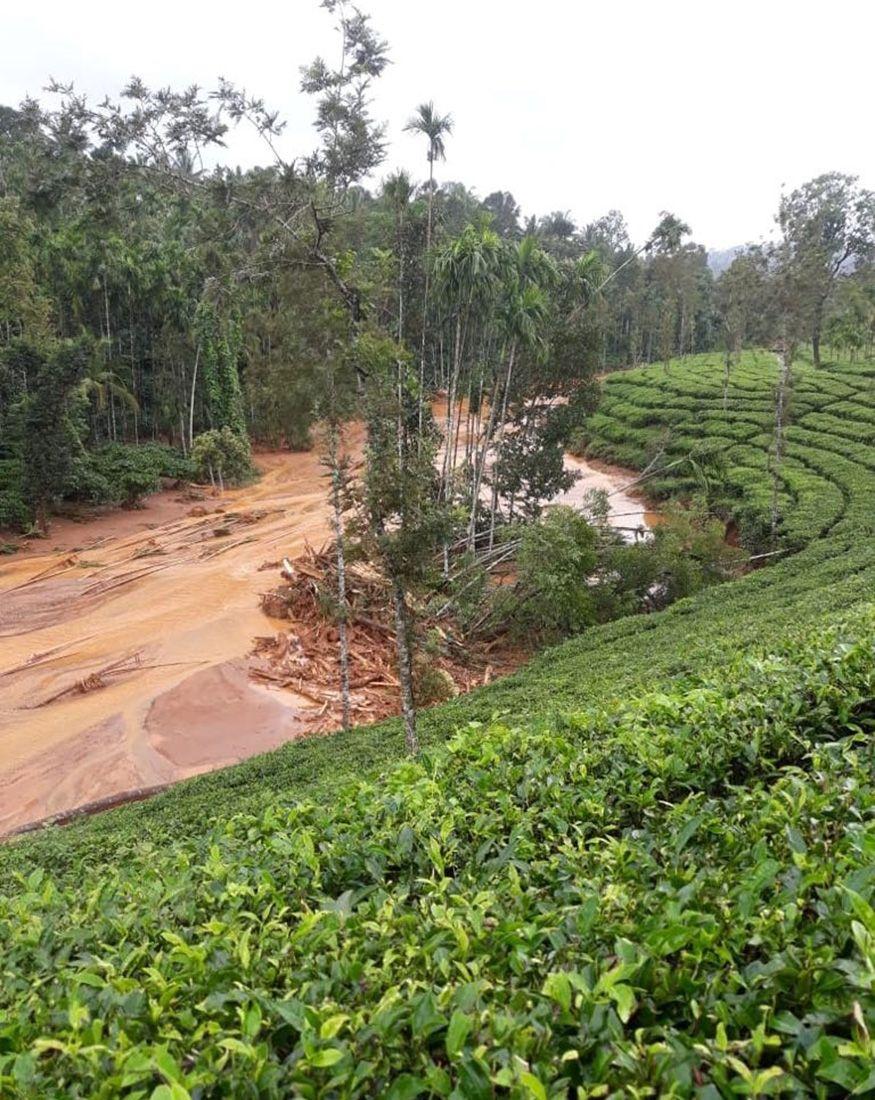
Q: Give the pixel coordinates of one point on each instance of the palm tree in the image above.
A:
(435, 128)
(523, 315)
(105, 385)
(468, 273)
(398, 190)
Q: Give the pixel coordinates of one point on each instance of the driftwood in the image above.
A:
(304, 658)
(96, 681)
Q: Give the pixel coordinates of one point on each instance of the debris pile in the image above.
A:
(305, 658)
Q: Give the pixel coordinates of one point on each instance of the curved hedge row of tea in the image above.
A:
(826, 479)
(672, 896)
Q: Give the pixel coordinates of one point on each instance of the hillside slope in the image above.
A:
(655, 872)
(671, 894)
(829, 505)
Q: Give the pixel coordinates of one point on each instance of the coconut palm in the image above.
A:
(434, 127)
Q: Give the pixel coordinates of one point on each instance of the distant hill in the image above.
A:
(719, 259)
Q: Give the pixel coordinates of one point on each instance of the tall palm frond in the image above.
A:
(433, 126)
(104, 384)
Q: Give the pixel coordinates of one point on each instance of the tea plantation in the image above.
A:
(643, 866)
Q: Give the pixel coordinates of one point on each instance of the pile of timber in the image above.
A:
(305, 657)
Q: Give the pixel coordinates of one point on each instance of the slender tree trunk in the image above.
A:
(780, 405)
(405, 666)
(106, 312)
(726, 367)
(339, 549)
(451, 399)
(457, 423)
(500, 441)
(479, 469)
(197, 356)
(426, 287)
(400, 280)
(134, 386)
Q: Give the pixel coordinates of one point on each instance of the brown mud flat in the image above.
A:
(125, 641)
(119, 650)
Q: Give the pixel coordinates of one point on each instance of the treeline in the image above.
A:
(184, 302)
(194, 322)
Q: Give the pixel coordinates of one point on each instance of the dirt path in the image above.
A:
(155, 611)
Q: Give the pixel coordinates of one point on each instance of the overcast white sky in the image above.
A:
(699, 107)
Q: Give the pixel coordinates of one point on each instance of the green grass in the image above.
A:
(648, 866)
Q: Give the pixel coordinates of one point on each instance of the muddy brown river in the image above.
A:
(124, 640)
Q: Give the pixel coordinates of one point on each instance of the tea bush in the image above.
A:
(673, 896)
(829, 438)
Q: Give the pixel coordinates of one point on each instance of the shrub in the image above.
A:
(220, 455)
(557, 556)
(666, 897)
(124, 473)
(14, 513)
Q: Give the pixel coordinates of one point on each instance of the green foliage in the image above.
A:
(401, 519)
(670, 415)
(121, 473)
(49, 436)
(833, 573)
(14, 513)
(220, 341)
(665, 895)
(222, 455)
(556, 559)
(686, 552)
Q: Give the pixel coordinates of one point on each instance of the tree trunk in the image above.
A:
(501, 427)
(426, 286)
(405, 666)
(446, 474)
(197, 356)
(815, 344)
(780, 402)
(339, 548)
(480, 467)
